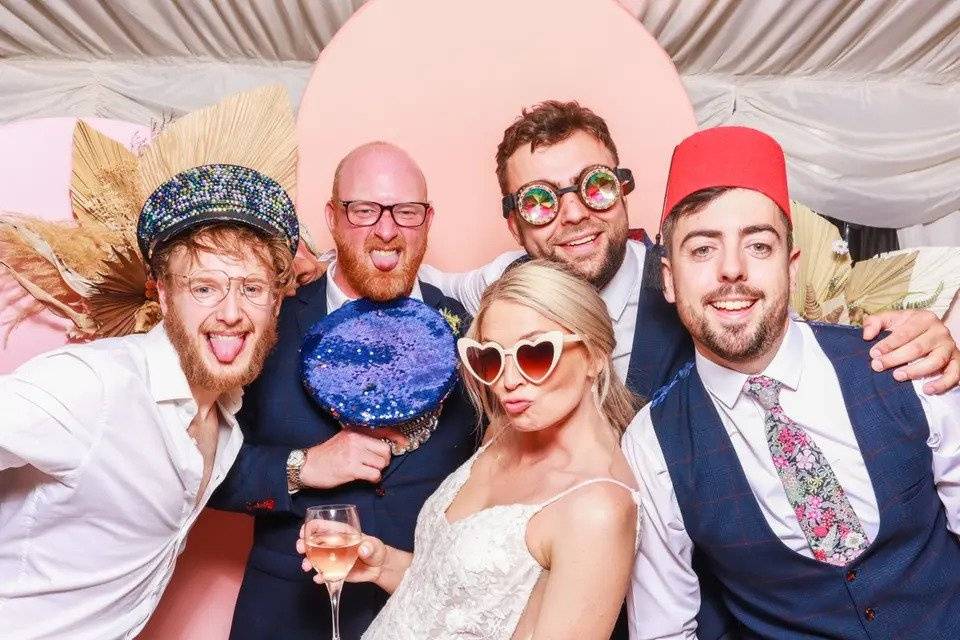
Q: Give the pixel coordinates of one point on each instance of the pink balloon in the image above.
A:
(35, 162)
(444, 79)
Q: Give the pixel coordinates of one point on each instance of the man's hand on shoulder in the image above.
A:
(345, 457)
(919, 344)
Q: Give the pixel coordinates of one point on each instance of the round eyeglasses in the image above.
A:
(209, 287)
(365, 213)
(598, 187)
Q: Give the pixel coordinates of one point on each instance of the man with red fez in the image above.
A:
(791, 491)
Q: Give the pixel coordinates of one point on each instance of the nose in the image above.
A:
(386, 228)
(732, 266)
(572, 211)
(229, 311)
(511, 378)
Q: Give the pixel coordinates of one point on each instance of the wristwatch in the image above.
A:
(295, 462)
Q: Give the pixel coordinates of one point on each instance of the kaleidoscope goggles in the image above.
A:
(598, 187)
(536, 357)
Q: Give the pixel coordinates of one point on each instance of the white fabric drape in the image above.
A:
(864, 95)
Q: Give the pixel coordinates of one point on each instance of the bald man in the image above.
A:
(296, 456)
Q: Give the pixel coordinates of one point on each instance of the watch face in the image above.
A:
(296, 458)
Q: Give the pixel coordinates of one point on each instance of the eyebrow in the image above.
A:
(759, 228)
(745, 231)
(529, 334)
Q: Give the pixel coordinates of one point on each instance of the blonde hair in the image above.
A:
(553, 291)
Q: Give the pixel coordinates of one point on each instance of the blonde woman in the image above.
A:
(535, 535)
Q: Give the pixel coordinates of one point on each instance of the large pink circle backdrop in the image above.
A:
(444, 79)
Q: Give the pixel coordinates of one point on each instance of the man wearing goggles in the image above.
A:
(564, 199)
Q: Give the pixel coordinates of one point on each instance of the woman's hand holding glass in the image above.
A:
(371, 556)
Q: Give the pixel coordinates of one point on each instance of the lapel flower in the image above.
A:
(452, 319)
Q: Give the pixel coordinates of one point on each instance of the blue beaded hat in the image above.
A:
(383, 368)
(216, 193)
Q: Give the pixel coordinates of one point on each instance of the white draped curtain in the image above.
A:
(864, 95)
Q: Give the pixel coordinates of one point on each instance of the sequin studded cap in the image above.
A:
(382, 368)
(216, 193)
(233, 161)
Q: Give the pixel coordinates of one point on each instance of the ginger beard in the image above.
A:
(380, 270)
(737, 341)
(220, 358)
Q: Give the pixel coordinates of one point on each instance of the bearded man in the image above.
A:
(295, 455)
(109, 450)
(785, 482)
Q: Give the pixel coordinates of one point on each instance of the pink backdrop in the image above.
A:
(442, 79)
(35, 165)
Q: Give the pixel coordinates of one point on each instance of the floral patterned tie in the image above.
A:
(833, 530)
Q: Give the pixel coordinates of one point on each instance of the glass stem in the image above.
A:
(334, 588)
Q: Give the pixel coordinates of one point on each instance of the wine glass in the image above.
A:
(332, 537)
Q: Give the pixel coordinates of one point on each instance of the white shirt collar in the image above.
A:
(623, 287)
(336, 298)
(726, 385)
(165, 374)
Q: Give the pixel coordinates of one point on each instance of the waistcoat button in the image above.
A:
(851, 575)
(380, 491)
(870, 613)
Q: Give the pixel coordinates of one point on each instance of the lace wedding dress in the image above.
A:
(471, 578)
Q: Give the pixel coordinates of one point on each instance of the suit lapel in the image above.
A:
(313, 305)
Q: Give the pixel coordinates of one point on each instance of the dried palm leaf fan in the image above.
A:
(93, 272)
(63, 264)
(829, 289)
(823, 271)
(253, 129)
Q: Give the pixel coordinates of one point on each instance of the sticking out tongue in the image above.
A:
(385, 260)
(226, 348)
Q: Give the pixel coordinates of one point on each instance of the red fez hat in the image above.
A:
(727, 157)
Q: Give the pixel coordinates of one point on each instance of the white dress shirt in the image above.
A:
(621, 295)
(665, 594)
(98, 485)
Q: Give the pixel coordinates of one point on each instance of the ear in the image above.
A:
(428, 220)
(331, 212)
(669, 292)
(514, 227)
(162, 293)
(794, 267)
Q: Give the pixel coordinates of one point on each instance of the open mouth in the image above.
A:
(226, 346)
(582, 244)
(733, 308)
(385, 259)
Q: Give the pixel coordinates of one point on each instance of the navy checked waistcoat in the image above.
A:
(905, 585)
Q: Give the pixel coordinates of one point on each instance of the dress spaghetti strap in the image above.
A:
(580, 485)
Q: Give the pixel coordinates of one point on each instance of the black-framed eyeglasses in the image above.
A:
(209, 287)
(598, 187)
(365, 213)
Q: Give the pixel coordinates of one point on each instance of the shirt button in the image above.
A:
(380, 491)
(851, 575)
(870, 613)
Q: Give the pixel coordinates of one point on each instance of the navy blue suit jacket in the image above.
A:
(277, 600)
